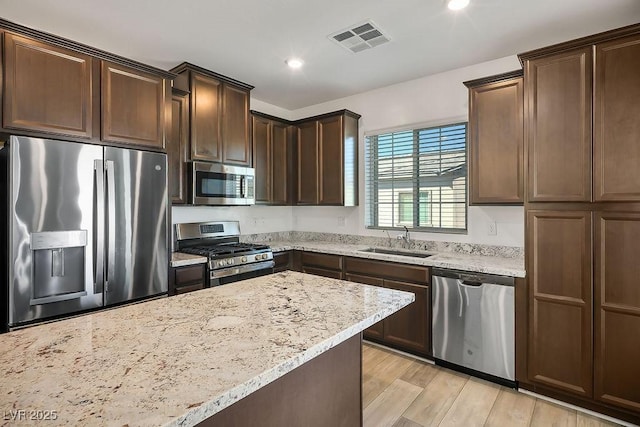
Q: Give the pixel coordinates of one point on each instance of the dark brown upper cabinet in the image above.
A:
(46, 88)
(219, 115)
(616, 140)
(53, 86)
(558, 93)
(272, 153)
(559, 271)
(496, 139)
(133, 106)
(327, 153)
(178, 147)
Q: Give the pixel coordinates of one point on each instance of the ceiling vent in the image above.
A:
(360, 37)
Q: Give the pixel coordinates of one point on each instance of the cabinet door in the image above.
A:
(282, 261)
(559, 267)
(616, 126)
(279, 164)
(558, 127)
(235, 126)
(617, 309)
(261, 136)
(133, 105)
(206, 94)
(331, 177)
(308, 163)
(496, 143)
(410, 328)
(375, 331)
(177, 148)
(46, 88)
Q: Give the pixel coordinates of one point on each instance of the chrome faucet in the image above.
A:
(406, 239)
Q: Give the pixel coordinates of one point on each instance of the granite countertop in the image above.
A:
(179, 259)
(513, 267)
(176, 361)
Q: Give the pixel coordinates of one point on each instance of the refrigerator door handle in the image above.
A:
(111, 220)
(98, 242)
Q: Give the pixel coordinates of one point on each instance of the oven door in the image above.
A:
(235, 274)
(217, 184)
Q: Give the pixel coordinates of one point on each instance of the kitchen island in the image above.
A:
(181, 360)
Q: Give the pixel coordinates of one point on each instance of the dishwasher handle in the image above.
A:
(472, 284)
(470, 279)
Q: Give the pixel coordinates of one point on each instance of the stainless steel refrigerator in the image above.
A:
(85, 226)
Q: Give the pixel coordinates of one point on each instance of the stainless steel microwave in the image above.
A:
(216, 184)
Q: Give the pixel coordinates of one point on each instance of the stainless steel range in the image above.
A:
(229, 260)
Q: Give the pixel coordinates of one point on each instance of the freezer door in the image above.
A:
(137, 231)
(52, 213)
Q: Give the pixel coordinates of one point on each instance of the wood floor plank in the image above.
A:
(585, 420)
(511, 409)
(371, 356)
(404, 422)
(473, 404)
(381, 375)
(547, 414)
(420, 374)
(430, 407)
(387, 408)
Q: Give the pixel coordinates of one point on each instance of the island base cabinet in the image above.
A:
(326, 391)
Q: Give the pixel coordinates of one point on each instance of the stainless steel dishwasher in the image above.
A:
(473, 324)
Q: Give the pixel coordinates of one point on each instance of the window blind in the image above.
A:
(417, 178)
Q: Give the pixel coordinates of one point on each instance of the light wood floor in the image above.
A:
(400, 391)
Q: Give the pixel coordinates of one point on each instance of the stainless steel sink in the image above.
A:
(396, 252)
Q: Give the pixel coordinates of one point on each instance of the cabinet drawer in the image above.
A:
(186, 275)
(322, 272)
(189, 288)
(333, 262)
(409, 273)
(367, 280)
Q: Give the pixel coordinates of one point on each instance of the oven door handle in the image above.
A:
(232, 271)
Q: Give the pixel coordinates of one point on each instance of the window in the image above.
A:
(430, 163)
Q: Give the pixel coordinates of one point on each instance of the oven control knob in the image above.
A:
(231, 262)
(221, 263)
(259, 256)
(243, 259)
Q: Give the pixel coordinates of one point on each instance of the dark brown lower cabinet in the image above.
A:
(584, 307)
(321, 264)
(410, 328)
(617, 309)
(187, 279)
(282, 261)
(375, 331)
(560, 311)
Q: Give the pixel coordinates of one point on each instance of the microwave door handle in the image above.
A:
(98, 228)
(242, 186)
(111, 220)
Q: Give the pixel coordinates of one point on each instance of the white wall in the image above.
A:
(434, 100)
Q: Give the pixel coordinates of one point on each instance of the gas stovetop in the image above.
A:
(219, 241)
(225, 249)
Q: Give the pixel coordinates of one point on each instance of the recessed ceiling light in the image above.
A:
(457, 4)
(294, 63)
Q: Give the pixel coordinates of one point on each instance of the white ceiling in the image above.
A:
(249, 40)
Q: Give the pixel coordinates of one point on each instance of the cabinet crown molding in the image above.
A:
(493, 79)
(187, 66)
(579, 43)
(82, 48)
